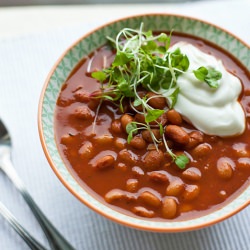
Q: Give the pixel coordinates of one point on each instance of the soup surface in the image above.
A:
(136, 178)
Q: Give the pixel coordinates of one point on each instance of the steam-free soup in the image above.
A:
(137, 175)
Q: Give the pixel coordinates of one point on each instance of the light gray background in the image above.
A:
(58, 2)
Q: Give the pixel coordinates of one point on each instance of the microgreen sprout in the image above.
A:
(180, 160)
(144, 60)
(208, 75)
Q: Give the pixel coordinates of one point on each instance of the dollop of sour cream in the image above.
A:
(213, 111)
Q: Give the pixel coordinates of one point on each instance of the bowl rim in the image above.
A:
(78, 196)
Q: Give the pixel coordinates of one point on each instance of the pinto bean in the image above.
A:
(174, 117)
(105, 162)
(170, 144)
(241, 150)
(177, 134)
(137, 171)
(138, 142)
(191, 192)
(146, 135)
(131, 185)
(82, 96)
(63, 101)
(86, 150)
(83, 113)
(117, 194)
(175, 188)
(113, 195)
(225, 167)
(150, 199)
(93, 104)
(116, 127)
(122, 167)
(120, 143)
(151, 146)
(127, 156)
(153, 159)
(243, 153)
(67, 139)
(195, 138)
(125, 120)
(158, 177)
(156, 101)
(162, 120)
(143, 212)
(104, 139)
(192, 174)
(244, 163)
(169, 208)
(201, 150)
(139, 118)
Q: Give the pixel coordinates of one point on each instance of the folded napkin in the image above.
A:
(24, 65)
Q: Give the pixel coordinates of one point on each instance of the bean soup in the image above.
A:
(139, 152)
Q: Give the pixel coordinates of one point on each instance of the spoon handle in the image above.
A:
(56, 240)
(30, 241)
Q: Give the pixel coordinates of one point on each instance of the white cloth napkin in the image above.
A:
(24, 64)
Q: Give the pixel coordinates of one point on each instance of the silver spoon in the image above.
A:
(30, 241)
(55, 239)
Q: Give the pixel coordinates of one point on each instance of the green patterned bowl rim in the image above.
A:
(83, 47)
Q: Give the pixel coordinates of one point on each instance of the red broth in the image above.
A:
(115, 172)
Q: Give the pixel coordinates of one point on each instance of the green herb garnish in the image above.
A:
(181, 161)
(131, 129)
(99, 76)
(209, 76)
(153, 114)
(144, 60)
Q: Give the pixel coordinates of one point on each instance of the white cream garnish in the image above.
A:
(213, 111)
